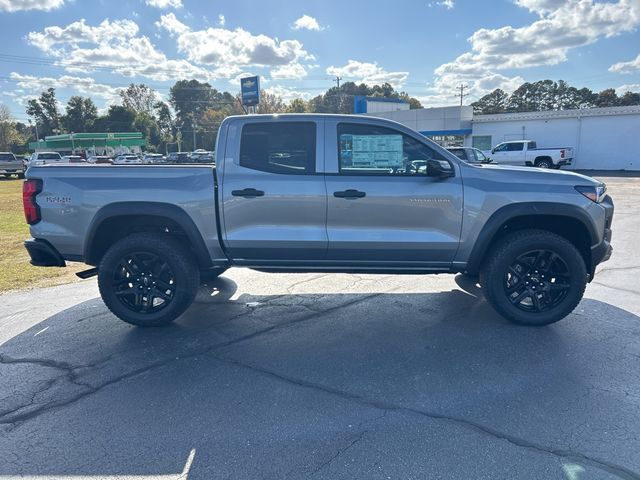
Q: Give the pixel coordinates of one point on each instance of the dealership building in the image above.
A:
(91, 143)
(601, 138)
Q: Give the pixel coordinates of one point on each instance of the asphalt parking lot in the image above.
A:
(327, 376)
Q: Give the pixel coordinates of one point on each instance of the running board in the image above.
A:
(92, 272)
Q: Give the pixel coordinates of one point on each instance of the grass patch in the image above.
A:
(15, 270)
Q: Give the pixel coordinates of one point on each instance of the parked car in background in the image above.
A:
(202, 156)
(178, 157)
(46, 158)
(74, 159)
(10, 165)
(470, 154)
(127, 160)
(526, 152)
(153, 158)
(100, 159)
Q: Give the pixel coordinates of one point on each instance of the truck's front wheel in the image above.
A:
(534, 277)
(148, 280)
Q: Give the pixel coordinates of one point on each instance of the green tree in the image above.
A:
(139, 98)
(45, 112)
(81, 113)
(607, 98)
(297, 105)
(270, 103)
(117, 119)
(494, 102)
(9, 135)
(630, 98)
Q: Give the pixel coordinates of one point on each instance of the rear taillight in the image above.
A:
(30, 189)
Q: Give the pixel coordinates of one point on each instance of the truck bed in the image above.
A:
(76, 196)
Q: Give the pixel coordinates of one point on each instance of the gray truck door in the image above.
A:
(382, 206)
(274, 204)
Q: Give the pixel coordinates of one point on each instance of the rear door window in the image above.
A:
(279, 147)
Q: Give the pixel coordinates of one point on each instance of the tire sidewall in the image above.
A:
(546, 164)
(494, 280)
(170, 252)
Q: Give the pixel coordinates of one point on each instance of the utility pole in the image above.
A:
(194, 126)
(461, 88)
(337, 80)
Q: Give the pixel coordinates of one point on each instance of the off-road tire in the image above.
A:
(493, 275)
(181, 263)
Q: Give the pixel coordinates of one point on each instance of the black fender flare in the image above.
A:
(154, 209)
(501, 216)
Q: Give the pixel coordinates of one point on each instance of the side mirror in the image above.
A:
(493, 150)
(439, 168)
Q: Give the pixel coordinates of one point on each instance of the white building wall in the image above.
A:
(374, 107)
(602, 139)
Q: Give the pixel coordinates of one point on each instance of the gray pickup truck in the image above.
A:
(321, 193)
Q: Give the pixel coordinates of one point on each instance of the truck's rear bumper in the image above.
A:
(43, 254)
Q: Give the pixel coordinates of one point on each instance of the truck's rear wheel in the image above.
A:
(534, 277)
(544, 163)
(148, 280)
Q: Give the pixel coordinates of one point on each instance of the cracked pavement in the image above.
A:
(327, 376)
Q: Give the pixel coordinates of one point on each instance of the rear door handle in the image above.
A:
(248, 192)
(349, 194)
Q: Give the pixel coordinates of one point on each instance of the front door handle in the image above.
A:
(350, 194)
(248, 192)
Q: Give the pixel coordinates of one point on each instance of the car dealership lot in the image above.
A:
(327, 376)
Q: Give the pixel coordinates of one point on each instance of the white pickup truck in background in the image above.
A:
(525, 152)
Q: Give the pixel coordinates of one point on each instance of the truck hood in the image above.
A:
(538, 175)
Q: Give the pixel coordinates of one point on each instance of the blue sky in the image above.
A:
(427, 48)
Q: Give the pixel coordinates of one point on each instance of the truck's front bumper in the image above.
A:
(603, 250)
(43, 254)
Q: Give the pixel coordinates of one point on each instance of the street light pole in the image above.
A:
(194, 126)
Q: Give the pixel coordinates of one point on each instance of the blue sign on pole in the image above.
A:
(250, 90)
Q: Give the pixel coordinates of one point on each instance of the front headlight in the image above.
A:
(593, 193)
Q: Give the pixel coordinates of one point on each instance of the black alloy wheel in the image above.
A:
(148, 279)
(537, 281)
(144, 282)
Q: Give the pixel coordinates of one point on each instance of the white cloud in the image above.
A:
(230, 50)
(632, 87)
(292, 71)
(112, 45)
(287, 94)
(164, 3)
(171, 24)
(626, 67)
(307, 23)
(448, 4)
(369, 73)
(85, 86)
(221, 20)
(18, 5)
(562, 26)
(79, 32)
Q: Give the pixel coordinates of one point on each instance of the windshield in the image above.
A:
(7, 156)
